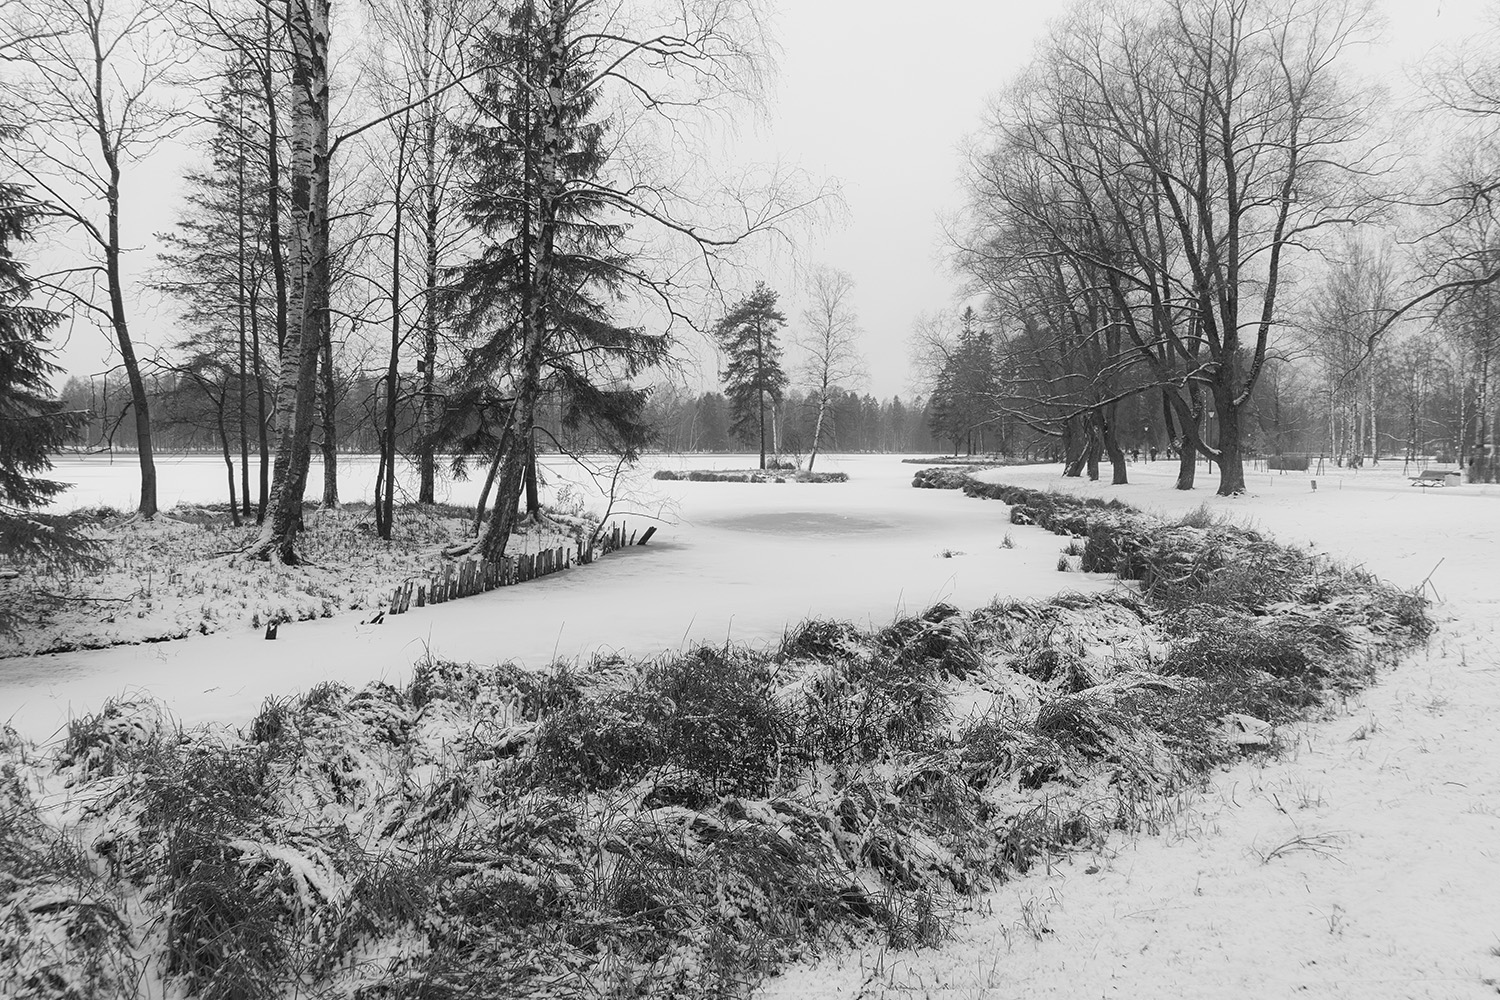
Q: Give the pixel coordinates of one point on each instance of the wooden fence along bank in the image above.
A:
(467, 577)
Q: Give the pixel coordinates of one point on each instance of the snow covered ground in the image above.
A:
(736, 560)
(1364, 862)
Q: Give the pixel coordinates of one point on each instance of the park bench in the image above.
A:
(1436, 477)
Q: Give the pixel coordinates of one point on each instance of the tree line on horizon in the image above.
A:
(465, 233)
(1196, 216)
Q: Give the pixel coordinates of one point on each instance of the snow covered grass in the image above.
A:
(674, 826)
(176, 575)
(751, 476)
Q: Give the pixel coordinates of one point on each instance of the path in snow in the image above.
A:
(742, 561)
(1394, 888)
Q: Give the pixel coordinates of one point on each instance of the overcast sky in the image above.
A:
(882, 102)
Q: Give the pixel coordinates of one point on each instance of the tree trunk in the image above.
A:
(426, 457)
(536, 299)
(520, 427)
(139, 400)
(242, 304)
(296, 395)
(1075, 449)
(818, 428)
(273, 188)
(1112, 447)
(1178, 413)
(1231, 457)
(761, 397)
(262, 431)
(385, 497)
(234, 510)
(489, 483)
(330, 418)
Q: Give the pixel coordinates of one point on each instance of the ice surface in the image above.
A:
(739, 561)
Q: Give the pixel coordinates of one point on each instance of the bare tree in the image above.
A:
(1195, 147)
(94, 87)
(1354, 297)
(829, 340)
(307, 298)
(421, 49)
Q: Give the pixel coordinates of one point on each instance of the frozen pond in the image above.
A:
(729, 561)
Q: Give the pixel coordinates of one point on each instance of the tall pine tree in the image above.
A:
(219, 268)
(753, 378)
(535, 301)
(963, 404)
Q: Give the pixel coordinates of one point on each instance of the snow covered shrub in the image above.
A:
(854, 713)
(938, 642)
(459, 682)
(1087, 726)
(101, 745)
(599, 743)
(721, 721)
(1246, 666)
(225, 933)
(667, 474)
(61, 933)
(822, 639)
(1001, 748)
(1110, 548)
(552, 691)
(1187, 718)
(1201, 516)
(937, 478)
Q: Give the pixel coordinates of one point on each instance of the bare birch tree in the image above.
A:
(95, 86)
(830, 342)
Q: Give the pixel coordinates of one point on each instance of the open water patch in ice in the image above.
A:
(802, 522)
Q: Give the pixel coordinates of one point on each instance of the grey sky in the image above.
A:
(879, 96)
(884, 100)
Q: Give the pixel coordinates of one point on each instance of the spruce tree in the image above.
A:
(536, 299)
(753, 378)
(34, 423)
(963, 404)
(218, 268)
